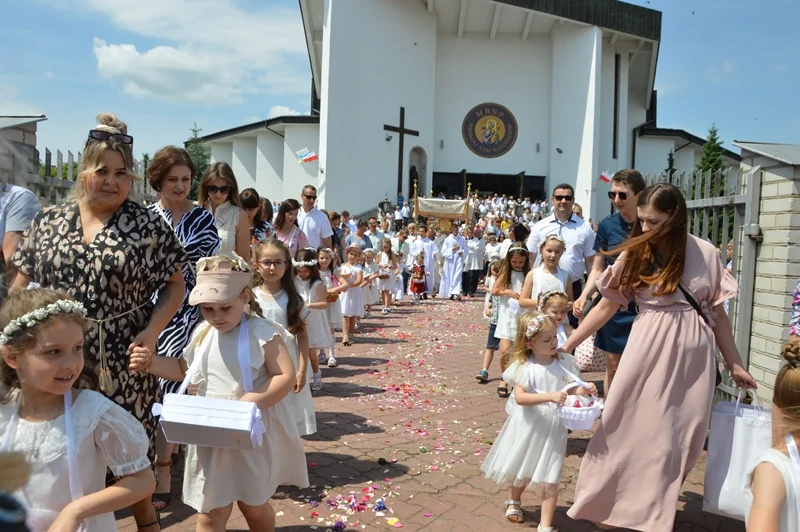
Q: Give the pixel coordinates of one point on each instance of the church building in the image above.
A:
(510, 96)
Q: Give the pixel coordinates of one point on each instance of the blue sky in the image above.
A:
(161, 65)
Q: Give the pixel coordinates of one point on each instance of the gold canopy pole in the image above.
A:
(466, 206)
(416, 203)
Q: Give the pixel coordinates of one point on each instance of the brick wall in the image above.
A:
(777, 267)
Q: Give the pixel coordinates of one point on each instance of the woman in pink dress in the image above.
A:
(286, 228)
(654, 424)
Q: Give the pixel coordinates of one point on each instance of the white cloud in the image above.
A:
(209, 51)
(10, 104)
(282, 110)
(727, 67)
(718, 73)
(780, 67)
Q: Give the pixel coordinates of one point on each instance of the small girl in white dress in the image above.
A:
(315, 296)
(352, 301)
(387, 274)
(69, 436)
(507, 288)
(369, 287)
(546, 276)
(530, 449)
(336, 285)
(772, 493)
(277, 295)
(215, 478)
(556, 304)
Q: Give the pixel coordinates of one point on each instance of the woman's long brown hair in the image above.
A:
(641, 264)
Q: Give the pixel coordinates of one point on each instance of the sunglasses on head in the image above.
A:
(622, 195)
(313, 198)
(99, 134)
(563, 198)
(213, 189)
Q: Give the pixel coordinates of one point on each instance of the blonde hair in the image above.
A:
(521, 352)
(93, 151)
(369, 253)
(557, 238)
(211, 264)
(787, 390)
(547, 298)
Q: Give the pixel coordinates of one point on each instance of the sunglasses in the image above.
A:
(98, 134)
(313, 198)
(621, 195)
(213, 189)
(563, 198)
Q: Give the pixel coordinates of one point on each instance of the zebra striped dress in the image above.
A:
(198, 234)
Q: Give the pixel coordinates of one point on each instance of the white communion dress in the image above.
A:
(334, 311)
(215, 477)
(530, 449)
(319, 332)
(106, 436)
(300, 404)
(352, 301)
(507, 317)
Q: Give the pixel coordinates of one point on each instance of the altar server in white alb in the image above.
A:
(425, 245)
(474, 264)
(215, 478)
(455, 252)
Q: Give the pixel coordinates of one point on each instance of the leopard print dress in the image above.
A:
(131, 258)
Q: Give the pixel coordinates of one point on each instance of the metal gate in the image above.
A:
(723, 207)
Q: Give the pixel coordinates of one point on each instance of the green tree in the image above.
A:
(201, 157)
(670, 171)
(145, 163)
(711, 165)
(711, 161)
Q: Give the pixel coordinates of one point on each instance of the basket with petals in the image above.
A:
(579, 412)
(332, 298)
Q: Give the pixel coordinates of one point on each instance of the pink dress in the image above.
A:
(654, 424)
(295, 240)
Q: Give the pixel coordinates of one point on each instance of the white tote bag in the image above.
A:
(739, 434)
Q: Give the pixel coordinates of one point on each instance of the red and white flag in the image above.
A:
(605, 177)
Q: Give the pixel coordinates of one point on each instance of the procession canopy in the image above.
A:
(444, 209)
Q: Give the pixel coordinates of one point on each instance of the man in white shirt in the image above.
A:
(349, 223)
(406, 211)
(312, 221)
(454, 249)
(474, 264)
(579, 237)
(386, 229)
(398, 218)
(374, 234)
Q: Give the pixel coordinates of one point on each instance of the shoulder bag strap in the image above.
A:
(693, 303)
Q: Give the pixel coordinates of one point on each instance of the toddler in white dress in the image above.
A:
(529, 451)
(214, 478)
(69, 437)
(315, 296)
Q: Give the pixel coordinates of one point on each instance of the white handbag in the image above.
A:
(739, 434)
(209, 422)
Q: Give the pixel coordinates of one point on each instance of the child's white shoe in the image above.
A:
(541, 528)
(316, 384)
(332, 363)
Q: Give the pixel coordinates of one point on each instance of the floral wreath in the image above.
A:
(547, 295)
(535, 325)
(304, 264)
(35, 317)
(553, 237)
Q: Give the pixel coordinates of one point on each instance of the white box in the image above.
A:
(208, 422)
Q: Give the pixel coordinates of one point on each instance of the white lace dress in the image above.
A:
(531, 446)
(352, 301)
(226, 218)
(370, 293)
(385, 265)
(319, 332)
(334, 311)
(106, 437)
(214, 477)
(507, 317)
(301, 404)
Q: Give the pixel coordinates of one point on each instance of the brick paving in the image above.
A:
(403, 420)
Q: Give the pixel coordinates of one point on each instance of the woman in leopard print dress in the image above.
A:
(111, 254)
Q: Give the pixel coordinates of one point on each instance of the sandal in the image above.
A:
(156, 523)
(162, 500)
(514, 515)
(502, 391)
(346, 340)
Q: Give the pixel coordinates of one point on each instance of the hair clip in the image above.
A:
(535, 325)
(547, 295)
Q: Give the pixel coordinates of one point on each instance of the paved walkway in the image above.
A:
(404, 424)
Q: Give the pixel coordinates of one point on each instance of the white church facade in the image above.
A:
(511, 96)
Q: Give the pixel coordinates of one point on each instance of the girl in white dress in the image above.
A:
(215, 478)
(277, 295)
(336, 285)
(387, 274)
(69, 436)
(218, 193)
(351, 300)
(772, 493)
(369, 287)
(556, 304)
(546, 276)
(315, 296)
(507, 288)
(530, 449)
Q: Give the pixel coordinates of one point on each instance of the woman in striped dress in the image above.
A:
(170, 173)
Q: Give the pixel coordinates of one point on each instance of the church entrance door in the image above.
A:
(418, 170)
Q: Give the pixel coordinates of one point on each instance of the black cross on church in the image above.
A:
(402, 131)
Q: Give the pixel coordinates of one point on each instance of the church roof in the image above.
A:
(612, 15)
(651, 131)
(262, 124)
(784, 153)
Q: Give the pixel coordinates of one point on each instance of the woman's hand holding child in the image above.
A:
(140, 359)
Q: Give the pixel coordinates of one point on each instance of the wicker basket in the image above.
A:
(583, 417)
(384, 276)
(332, 298)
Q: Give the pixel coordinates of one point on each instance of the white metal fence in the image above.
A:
(723, 207)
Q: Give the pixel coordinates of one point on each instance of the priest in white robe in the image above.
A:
(455, 252)
(425, 245)
(474, 264)
(438, 240)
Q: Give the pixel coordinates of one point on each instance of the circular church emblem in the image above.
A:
(489, 130)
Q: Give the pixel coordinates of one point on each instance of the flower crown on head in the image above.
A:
(547, 295)
(535, 325)
(553, 237)
(304, 264)
(39, 315)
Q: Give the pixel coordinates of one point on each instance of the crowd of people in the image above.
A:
(114, 304)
